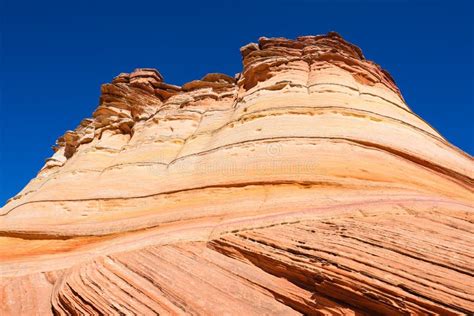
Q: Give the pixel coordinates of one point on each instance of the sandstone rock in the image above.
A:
(304, 185)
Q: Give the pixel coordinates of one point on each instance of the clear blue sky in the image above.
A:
(56, 54)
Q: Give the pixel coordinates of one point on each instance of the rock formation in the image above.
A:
(303, 185)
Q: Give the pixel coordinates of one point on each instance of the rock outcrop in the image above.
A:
(303, 185)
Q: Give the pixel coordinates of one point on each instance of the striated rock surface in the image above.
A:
(303, 185)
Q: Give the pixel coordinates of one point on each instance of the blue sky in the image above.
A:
(56, 54)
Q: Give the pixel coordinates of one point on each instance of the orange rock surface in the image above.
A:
(303, 185)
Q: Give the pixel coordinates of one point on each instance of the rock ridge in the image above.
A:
(139, 94)
(302, 185)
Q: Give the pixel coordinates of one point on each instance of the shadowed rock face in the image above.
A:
(303, 185)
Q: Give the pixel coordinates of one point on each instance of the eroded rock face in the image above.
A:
(303, 185)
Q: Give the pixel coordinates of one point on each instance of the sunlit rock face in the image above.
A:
(303, 185)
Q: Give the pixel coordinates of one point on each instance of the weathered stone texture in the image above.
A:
(303, 185)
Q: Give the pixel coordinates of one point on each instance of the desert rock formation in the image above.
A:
(303, 185)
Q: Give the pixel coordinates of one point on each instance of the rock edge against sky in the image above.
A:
(304, 184)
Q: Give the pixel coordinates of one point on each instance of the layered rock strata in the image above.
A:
(303, 185)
